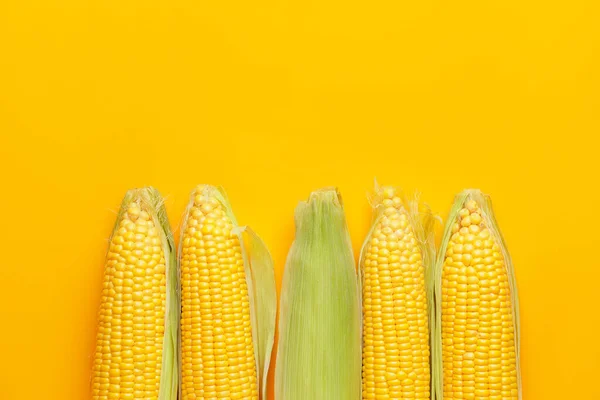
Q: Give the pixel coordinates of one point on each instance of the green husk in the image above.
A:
(422, 221)
(260, 279)
(263, 299)
(319, 352)
(153, 203)
(489, 218)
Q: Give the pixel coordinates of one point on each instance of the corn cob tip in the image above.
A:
(204, 193)
(326, 193)
(385, 195)
(206, 198)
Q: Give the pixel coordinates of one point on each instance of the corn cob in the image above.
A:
(136, 347)
(228, 303)
(319, 344)
(476, 339)
(393, 263)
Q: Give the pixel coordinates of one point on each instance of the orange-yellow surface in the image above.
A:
(272, 99)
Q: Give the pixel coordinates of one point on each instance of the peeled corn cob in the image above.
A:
(476, 339)
(393, 263)
(318, 355)
(136, 347)
(228, 303)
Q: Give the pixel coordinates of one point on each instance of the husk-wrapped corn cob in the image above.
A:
(476, 336)
(319, 351)
(136, 351)
(396, 255)
(228, 302)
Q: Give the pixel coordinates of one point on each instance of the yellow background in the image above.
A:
(275, 98)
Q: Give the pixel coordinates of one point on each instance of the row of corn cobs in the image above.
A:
(198, 322)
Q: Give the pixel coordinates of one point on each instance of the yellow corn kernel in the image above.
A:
(134, 312)
(395, 318)
(478, 344)
(219, 354)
